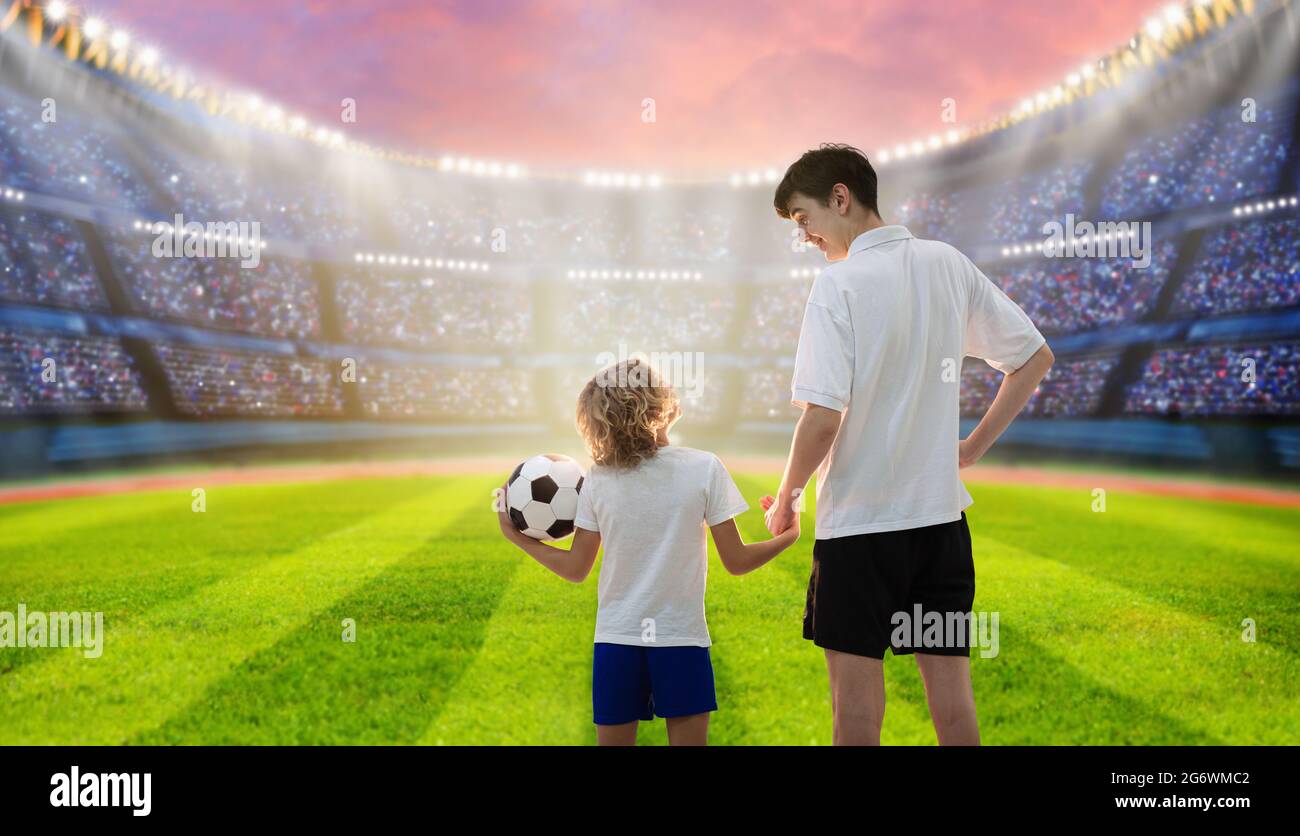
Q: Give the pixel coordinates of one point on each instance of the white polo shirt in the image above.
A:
(883, 337)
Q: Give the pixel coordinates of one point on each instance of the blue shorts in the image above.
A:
(631, 682)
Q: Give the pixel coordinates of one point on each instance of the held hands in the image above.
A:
(782, 519)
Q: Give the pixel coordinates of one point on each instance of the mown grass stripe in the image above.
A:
(419, 625)
(158, 665)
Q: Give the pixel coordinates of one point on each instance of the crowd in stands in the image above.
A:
(276, 298)
(1016, 210)
(1073, 388)
(449, 313)
(43, 261)
(43, 372)
(208, 382)
(775, 316)
(1249, 379)
(51, 149)
(1244, 267)
(654, 316)
(1214, 159)
(444, 393)
(1063, 295)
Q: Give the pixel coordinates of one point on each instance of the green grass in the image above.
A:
(1122, 627)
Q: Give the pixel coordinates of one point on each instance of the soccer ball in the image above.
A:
(542, 496)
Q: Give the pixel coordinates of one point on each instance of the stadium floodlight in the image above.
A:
(494, 169)
(297, 123)
(1293, 201)
(1006, 251)
(771, 175)
(737, 180)
(1236, 211)
(1073, 79)
(1271, 206)
(1027, 105)
(753, 178)
(1040, 100)
(882, 156)
(93, 28)
(275, 113)
(1174, 15)
(900, 151)
(463, 165)
(1087, 71)
(56, 10)
(1259, 207)
(1247, 210)
(935, 142)
(1154, 28)
(321, 134)
(480, 167)
(917, 148)
(120, 40)
(619, 180)
(149, 56)
(953, 136)
(654, 181)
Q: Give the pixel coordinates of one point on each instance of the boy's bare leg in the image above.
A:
(952, 700)
(857, 698)
(692, 730)
(623, 734)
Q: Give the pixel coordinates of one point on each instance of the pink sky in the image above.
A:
(737, 84)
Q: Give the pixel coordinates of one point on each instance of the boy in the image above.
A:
(877, 374)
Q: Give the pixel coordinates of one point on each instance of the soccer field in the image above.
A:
(1122, 627)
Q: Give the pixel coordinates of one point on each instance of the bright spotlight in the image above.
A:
(56, 11)
(119, 40)
(94, 27)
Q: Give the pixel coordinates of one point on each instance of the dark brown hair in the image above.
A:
(817, 172)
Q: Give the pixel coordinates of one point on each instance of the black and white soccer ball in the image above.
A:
(542, 496)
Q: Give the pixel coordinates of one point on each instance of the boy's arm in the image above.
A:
(813, 437)
(573, 564)
(1013, 394)
(739, 557)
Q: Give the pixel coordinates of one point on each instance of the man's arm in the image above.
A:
(1013, 394)
(813, 437)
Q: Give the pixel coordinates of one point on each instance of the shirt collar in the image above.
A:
(879, 235)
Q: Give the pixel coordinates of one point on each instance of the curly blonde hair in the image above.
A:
(621, 411)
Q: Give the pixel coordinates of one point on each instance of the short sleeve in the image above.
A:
(724, 499)
(998, 331)
(823, 363)
(585, 516)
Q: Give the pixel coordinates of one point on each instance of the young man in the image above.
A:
(877, 374)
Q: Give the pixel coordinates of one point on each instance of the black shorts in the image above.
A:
(910, 591)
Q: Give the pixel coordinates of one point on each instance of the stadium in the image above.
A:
(415, 326)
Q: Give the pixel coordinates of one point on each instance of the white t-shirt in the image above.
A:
(883, 337)
(652, 520)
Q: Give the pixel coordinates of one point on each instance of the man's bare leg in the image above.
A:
(952, 700)
(857, 698)
(692, 730)
(623, 734)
